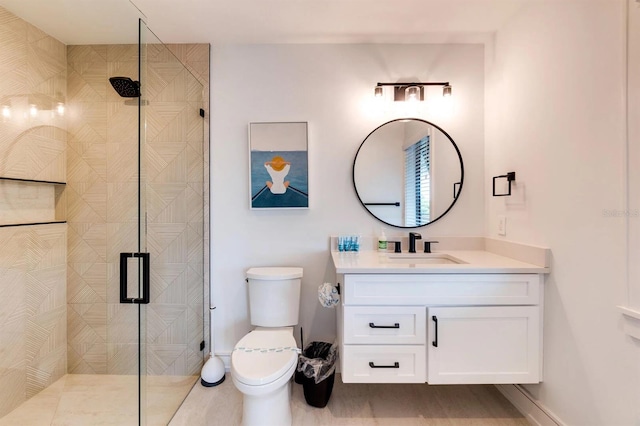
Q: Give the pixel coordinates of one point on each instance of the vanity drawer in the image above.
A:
(383, 364)
(404, 325)
(442, 289)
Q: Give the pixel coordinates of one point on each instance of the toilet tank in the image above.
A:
(274, 296)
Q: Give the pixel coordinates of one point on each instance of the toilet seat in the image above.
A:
(263, 356)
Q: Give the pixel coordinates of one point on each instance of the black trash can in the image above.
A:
(316, 371)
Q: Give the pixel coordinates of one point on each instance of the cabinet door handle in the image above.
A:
(372, 325)
(395, 365)
(435, 320)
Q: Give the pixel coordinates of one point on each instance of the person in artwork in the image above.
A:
(278, 169)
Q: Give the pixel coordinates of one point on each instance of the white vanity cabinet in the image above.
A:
(440, 328)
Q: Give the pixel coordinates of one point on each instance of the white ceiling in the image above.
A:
(268, 21)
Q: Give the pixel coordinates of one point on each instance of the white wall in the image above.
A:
(555, 115)
(633, 177)
(331, 87)
(634, 153)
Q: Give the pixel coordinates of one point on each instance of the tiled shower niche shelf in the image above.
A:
(32, 223)
(57, 198)
(32, 180)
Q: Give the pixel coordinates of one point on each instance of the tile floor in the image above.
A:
(92, 400)
(363, 404)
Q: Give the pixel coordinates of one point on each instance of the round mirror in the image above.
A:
(408, 173)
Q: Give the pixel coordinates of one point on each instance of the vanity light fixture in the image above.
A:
(411, 91)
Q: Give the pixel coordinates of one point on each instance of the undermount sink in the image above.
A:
(423, 258)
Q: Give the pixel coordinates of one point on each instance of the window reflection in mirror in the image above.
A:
(417, 186)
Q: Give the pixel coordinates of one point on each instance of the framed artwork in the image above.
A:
(279, 165)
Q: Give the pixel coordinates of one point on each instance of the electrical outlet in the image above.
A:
(502, 225)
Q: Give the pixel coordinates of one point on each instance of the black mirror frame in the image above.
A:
(461, 183)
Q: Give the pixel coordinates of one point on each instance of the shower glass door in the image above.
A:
(170, 229)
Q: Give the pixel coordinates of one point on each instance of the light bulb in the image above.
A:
(412, 94)
(33, 110)
(6, 111)
(60, 108)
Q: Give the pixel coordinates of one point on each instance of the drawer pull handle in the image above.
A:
(435, 320)
(395, 365)
(372, 325)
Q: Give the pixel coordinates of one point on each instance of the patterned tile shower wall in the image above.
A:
(32, 258)
(33, 330)
(102, 211)
(90, 148)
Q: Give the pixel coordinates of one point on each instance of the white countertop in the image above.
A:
(475, 262)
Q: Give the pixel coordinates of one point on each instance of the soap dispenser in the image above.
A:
(382, 241)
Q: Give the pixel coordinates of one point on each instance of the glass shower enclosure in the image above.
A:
(160, 244)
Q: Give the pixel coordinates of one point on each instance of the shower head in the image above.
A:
(125, 87)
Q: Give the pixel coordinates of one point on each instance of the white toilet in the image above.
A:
(263, 361)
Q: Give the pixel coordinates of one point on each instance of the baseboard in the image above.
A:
(531, 409)
(226, 358)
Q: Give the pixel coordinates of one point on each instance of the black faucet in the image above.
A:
(398, 246)
(413, 236)
(427, 246)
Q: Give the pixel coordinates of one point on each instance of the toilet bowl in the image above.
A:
(262, 365)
